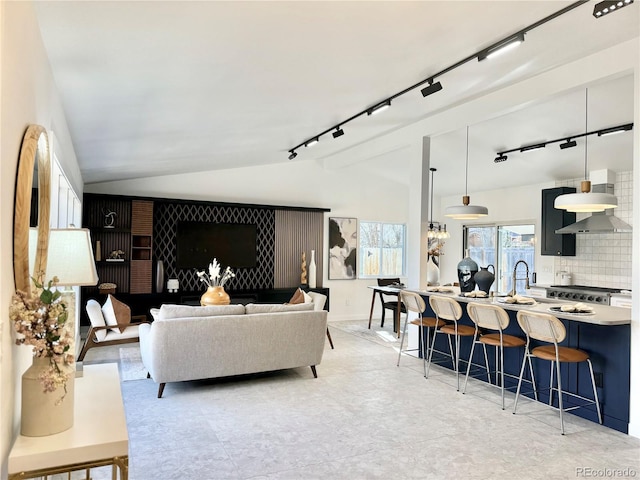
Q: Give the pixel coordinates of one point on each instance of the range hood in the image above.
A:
(598, 222)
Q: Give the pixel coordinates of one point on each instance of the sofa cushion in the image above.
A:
(276, 307)
(116, 313)
(183, 311)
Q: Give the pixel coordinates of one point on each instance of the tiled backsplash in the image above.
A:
(602, 259)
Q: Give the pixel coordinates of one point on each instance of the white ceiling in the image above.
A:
(154, 88)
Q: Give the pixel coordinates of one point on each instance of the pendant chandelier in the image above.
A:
(434, 232)
(586, 200)
(466, 211)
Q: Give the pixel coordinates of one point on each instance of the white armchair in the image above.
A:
(100, 334)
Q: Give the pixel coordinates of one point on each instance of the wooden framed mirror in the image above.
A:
(34, 172)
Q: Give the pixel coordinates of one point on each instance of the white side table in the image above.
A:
(98, 437)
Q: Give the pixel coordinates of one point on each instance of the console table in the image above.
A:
(98, 437)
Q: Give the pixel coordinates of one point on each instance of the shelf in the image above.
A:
(104, 262)
(110, 230)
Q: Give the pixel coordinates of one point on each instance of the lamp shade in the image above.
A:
(466, 212)
(70, 257)
(586, 202)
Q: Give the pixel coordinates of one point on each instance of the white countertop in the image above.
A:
(603, 314)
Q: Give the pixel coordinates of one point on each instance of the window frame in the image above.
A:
(361, 249)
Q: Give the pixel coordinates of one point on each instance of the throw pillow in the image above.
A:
(115, 312)
(298, 297)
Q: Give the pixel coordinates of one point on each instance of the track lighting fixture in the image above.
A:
(432, 88)
(586, 200)
(602, 8)
(614, 130)
(293, 155)
(379, 108)
(338, 133)
(568, 144)
(530, 148)
(506, 43)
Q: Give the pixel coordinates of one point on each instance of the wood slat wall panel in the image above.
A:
(297, 232)
(140, 276)
(141, 217)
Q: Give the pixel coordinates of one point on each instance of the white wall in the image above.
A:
(27, 95)
(352, 191)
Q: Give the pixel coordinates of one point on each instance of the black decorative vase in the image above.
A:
(484, 278)
(159, 276)
(467, 270)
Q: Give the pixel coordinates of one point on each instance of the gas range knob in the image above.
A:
(591, 298)
(561, 294)
(599, 299)
(551, 294)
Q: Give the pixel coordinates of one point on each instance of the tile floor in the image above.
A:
(362, 418)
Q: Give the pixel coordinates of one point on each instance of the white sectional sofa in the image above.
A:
(190, 343)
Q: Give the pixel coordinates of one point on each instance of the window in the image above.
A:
(502, 246)
(381, 248)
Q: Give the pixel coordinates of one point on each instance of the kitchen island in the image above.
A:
(605, 335)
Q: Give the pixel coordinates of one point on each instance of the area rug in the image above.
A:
(375, 334)
(131, 367)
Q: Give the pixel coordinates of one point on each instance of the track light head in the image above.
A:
(602, 8)
(568, 144)
(338, 133)
(500, 158)
(379, 108)
(311, 142)
(293, 155)
(613, 130)
(432, 88)
(501, 47)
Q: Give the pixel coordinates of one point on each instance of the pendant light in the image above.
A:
(466, 211)
(435, 232)
(586, 201)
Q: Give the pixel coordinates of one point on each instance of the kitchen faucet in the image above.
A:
(514, 279)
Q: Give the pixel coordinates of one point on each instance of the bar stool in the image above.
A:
(495, 318)
(547, 328)
(447, 308)
(413, 302)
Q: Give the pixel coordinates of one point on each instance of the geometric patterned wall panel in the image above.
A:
(166, 217)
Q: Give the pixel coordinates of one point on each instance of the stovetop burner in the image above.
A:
(587, 288)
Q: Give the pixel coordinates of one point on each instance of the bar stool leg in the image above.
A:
(486, 362)
(404, 331)
(466, 377)
(595, 392)
(559, 394)
(551, 385)
(501, 373)
(533, 379)
(527, 356)
(433, 344)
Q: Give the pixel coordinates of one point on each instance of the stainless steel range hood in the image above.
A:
(599, 222)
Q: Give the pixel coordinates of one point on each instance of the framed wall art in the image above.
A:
(343, 242)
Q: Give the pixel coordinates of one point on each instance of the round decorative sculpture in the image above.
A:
(467, 270)
(215, 296)
(484, 278)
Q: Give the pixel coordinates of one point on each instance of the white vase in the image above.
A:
(40, 414)
(312, 270)
(433, 272)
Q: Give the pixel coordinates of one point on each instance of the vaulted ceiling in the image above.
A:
(155, 88)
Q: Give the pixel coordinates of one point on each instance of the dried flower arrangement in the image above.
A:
(215, 279)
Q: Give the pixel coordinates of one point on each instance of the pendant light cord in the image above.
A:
(466, 173)
(586, 129)
(431, 214)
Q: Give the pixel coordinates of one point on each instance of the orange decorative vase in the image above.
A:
(215, 296)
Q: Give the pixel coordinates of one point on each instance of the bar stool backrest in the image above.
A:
(488, 316)
(541, 326)
(413, 302)
(445, 308)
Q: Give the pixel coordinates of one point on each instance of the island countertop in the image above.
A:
(602, 314)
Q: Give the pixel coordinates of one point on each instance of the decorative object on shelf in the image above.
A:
(107, 288)
(98, 251)
(109, 218)
(116, 256)
(159, 276)
(173, 285)
(467, 270)
(484, 278)
(343, 240)
(433, 272)
(47, 386)
(215, 294)
(303, 270)
(312, 270)
(586, 200)
(466, 211)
